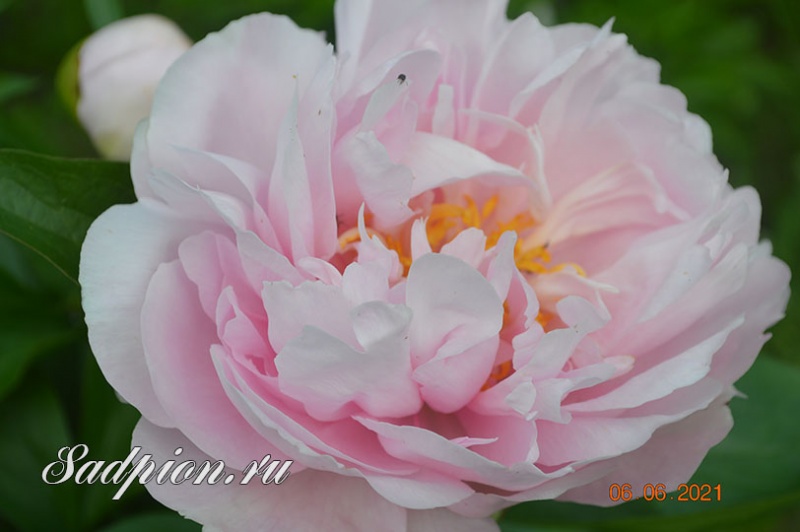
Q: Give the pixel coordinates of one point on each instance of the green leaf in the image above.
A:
(14, 268)
(13, 85)
(35, 34)
(154, 522)
(21, 342)
(106, 427)
(197, 23)
(48, 203)
(786, 239)
(34, 430)
(40, 122)
(33, 322)
(4, 4)
(102, 12)
(757, 465)
(760, 459)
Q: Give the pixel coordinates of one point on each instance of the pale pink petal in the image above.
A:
(446, 295)
(306, 501)
(765, 295)
(330, 378)
(305, 222)
(384, 186)
(457, 315)
(263, 263)
(510, 65)
(265, 55)
(311, 304)
(289, 429)
(436, 453)
(369, 32)
(670, 457)
(437, 161)
(661, 379)
(398, 481)
(243, 334)
(452, 378)
(589, 438)
(177, 338)
(514, 436)
(469, 246)
(365, 282)
(211, 261)
(607, 207)
(122, 250)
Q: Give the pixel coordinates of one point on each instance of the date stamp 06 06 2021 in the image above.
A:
(658, 492)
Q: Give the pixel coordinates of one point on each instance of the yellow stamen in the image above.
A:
(519, 224)
(397, 247)
(500, 372)
(489, 206)
(544, 318)
(446, 220)
(352, 235)
(348, 237)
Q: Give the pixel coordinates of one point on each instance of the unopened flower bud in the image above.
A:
(120, 67)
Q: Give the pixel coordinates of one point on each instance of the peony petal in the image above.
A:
(369, 32)
(177, 337)
(311, 304)
(445, 294)
(438, 454)
(267, 54)
(399, 482)
(122, 250)
(384, 186)
(457, 315)
(437, 161)
(362, 283)
(449, 381)
(469, 245)
(670, 457)
(306, 501)
(765, 295)
(304, 221)
(510, 66)
(328, 376)
(662, 379)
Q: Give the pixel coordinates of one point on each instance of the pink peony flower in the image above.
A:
(120, 67)
(460, 263)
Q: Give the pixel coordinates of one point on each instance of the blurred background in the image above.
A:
(737, 61)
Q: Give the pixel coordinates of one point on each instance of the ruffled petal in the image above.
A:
(305, 501)
(120, 254)
(177, 337)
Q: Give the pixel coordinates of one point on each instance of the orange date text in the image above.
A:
(658, 492)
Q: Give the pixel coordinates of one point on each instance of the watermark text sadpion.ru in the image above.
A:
(70, 465)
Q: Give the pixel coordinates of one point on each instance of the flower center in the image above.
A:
(446, 220)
